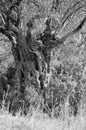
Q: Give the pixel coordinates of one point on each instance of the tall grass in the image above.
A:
(36, 119)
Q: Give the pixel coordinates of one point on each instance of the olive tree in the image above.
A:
(30, 55)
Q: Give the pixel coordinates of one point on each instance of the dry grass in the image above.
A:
(39, 121)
